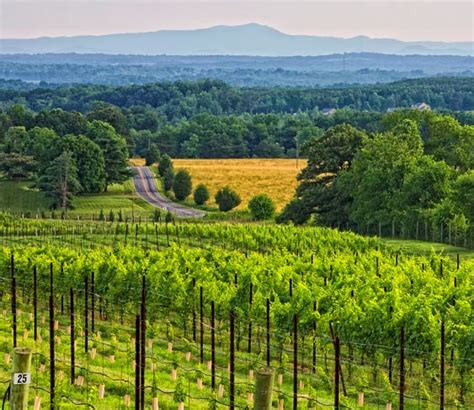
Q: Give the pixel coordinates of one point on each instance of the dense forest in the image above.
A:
(183, 99)
(210, 119)
(308, 71)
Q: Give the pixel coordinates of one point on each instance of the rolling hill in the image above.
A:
(250, 39)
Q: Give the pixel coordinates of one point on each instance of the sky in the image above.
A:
(409, 20)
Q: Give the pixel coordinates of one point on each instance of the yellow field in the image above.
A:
(248, 177)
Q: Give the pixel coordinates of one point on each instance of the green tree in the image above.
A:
(16, 140)
(90, 162)
(165, 164)
(15, 165)
(319, 192)
(262, 207)
(152, 155)
(115, 151)
(168, 179)
(43, 145)
(182, 184)
(269, 148)
(60, 181)
(111, 115)
(448, 140)
(463, 195)
(191, 147)
(380, 175)
(201, 194)
(227, 199)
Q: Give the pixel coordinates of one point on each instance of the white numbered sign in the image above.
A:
(21, 378)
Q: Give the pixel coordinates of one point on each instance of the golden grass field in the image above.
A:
(248, 177)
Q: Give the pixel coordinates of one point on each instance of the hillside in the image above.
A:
(249, 39)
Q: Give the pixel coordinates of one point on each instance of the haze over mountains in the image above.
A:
(250, 39)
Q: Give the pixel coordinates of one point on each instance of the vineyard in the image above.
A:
(182, 315)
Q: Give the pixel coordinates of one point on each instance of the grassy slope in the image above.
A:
(18, 197)
(424, 248)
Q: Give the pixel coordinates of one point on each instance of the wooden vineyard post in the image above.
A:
(13, 300)
(62, 296)
(441, 376)
(264, 389)
(213, 347)
(314, 340)
(194, 312)
(35, 304)
(142, 343)
(137, 363)
(92, 302)
(341, 375)
(295, 362)
(21, 378)
(201, 325)
(337, 363)
(458, 264)
(268, 332)
(249, 341)
(86, 314)
(73, 349)
(232, 361)
(402, 370)
(51, 340)
(157, 238)
(146, 236)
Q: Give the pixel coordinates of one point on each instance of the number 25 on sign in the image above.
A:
(22, 378)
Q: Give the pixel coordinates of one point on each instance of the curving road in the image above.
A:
(144, 183)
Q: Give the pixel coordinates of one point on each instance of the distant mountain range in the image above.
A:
(249, 39)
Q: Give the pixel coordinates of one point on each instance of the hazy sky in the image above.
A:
(407, 20)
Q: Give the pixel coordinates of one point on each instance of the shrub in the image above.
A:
(227, 199)
(262, 207)
(182, 184)
(152, 155)
(165, 165)
(201, 194)
(168, 179)
(156, 215)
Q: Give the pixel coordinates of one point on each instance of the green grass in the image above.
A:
(19, 197)
(425, 248)
(118, 197)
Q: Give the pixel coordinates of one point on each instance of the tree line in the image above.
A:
(185, 99)
(206, 135)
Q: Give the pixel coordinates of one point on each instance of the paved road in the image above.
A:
(145, 186)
